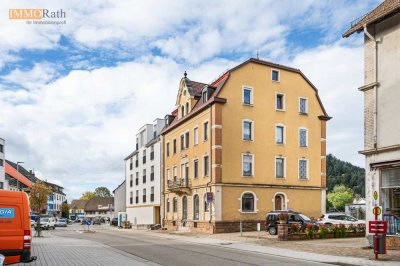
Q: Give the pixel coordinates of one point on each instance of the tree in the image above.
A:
(102, 192)
(340, 196)
(39, 195)
(88, 195)
(65, 210)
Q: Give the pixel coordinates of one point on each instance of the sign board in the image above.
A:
(377, 227)
(375, 195)
(7, 213)
(88, 222)
(209, 197)
(377, 211)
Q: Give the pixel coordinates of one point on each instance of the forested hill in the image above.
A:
(343, 173)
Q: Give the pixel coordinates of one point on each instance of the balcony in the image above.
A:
(179, 186)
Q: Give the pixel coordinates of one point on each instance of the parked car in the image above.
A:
(61, 223)
(33, 223)
(339, 218)
(2, 260)
(47, 223)
(96, 221)
(114, 222)
(272, 220)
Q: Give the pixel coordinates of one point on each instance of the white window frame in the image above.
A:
(204, 165)
(174, 171)
(308, 169)
(195, 136)
(185, 141)
(255, 202)
(283, 101)
(167, 173)
(279, 75)
(251, 95)
(306, 129)
(284, 167)
(284, 134)
(305, 98)
(252, 165)
(194, 168)
(252, 129)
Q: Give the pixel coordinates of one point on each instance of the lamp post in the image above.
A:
(18, 163)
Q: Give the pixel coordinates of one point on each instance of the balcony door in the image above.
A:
(184, 208)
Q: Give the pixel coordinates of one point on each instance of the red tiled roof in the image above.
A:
(11, 171)
(388, 7)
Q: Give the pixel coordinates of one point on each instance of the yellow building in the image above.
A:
(250, 142)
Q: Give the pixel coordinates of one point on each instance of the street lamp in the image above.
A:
(18, 163)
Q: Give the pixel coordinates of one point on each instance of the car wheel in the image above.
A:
(272, 231)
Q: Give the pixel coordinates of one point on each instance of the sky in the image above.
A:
(73, 95)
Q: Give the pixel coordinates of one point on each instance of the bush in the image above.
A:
(294, 228)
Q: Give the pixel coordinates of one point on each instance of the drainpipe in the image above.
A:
(375, 84)
(211, 144)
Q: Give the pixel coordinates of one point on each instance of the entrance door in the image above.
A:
(279, 202)
(184, 208)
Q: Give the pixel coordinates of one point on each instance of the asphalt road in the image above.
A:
(169, 251)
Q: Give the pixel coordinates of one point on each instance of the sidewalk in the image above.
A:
(53, 250)
(348, 251)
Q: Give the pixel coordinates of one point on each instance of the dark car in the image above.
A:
(96, 221)
(114, 222)
(272, 220)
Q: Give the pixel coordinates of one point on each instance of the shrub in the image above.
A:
(351, 228)
(322, 231)
(309, 231)
(295, 228)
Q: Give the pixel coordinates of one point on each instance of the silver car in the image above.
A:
(2, 260)
(339, 218)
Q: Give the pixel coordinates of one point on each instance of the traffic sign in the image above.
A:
(375, 195)
(377, 227)
(88, 222)
(377, 211)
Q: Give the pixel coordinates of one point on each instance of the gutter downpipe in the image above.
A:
(375, 86)
(209, 183)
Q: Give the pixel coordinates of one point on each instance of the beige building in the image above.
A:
(252, 141)
(381, 28)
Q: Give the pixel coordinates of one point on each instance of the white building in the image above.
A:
(381, 28)
(2, 165)
(143, 176)
(120, 199)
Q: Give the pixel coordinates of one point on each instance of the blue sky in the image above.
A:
(71, 95)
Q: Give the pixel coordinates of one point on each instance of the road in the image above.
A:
(169, 251)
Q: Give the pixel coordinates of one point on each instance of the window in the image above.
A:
(1, 148)
(303, 137)
(205, 133)
(152, 173)
(187, 108)
(247, 130)
(303, 106)
(1, 162)
(206, 204)
(279, 134)
(182, 111)
(196, 136)
(206, 166)
(247, 165)
(303, 171)
(168, 205)
(275, 75)
(248, 202)
(196, 168)
(175, 170)
(137, 196)
(131, 181)
(131, 198)
(182, 171)
(144, 195)
(205, 96)
(280, 102)
(144, 176)
(168, 149)
(152, 194)
(279, 167)
(137, 178)
(137, 160)
(187, 140)
(152, 152)
(168, 174)
(247, 95)
(175, 205)
(182, 142)
(131, 164)
(174, 146)
(186, 171)
(144, 156)
(196, 207)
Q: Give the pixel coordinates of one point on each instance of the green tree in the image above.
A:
(340, 196)
(65, 210)
(88, 195)
(39, 194)
(102, 192)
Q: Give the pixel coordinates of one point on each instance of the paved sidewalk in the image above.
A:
(52, 250)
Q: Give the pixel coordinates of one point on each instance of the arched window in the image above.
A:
(206, 204)
(184, 208)
(182, 111)
(175, 205)
(167, 205)
(248, 202)
(196, 207)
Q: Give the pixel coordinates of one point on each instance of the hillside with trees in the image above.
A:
(344, 173)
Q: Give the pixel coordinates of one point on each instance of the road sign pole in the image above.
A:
(376, 237)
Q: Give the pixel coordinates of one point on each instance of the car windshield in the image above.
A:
(45, 220)
(62, 220)
(350, 218)
(305, 218)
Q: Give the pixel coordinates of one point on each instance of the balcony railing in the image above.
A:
(179, 183)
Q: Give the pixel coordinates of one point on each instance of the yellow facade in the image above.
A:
(229, 177)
